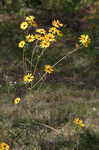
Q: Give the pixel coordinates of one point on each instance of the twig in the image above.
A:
(49, 127)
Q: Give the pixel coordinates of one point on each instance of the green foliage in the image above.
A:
(69, 5)
(32, 3)
(13, 6)
(89, 140)
(16, 5)
(52, 4)
(73, 5)
(9, 30)
(56, 107)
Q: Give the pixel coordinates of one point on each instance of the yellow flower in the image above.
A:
(28, 78)
(82, 125)
(85, 40)
(24, 25)
(56, 23)
(79, 122)
(30, 38)
(21, 44)
(76, 121)
(30, 19)
(53, 30)
(42, 31)
(59, 33)
(48, 69)
(17, 100)
(44, 44)
(49, 37)
(39, 37)
(34, 24)
(4, 146)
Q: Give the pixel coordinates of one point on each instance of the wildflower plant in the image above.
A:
(40, 39)
(79, 127)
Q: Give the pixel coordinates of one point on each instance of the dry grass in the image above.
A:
(44, 118)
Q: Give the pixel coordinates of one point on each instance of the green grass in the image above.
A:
(24, 125)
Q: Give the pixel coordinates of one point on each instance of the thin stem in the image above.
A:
(38, 59)
(66, 56)
(36, 68)
(49, 127)
(24, 60)
(56, 64)
(39, 80)
(33, 52)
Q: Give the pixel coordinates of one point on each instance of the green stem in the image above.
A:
(33, 52)
(24, 60)
(56, 64)
(39, 80)
(66, 56)
(38, 59)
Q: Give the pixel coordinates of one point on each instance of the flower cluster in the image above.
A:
(30, 20)
(79, 122)
(85, 40)
(45, 37)
(4, 146)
